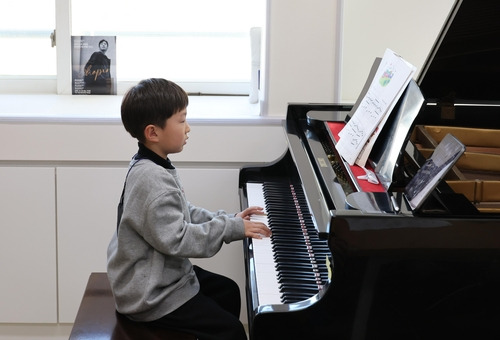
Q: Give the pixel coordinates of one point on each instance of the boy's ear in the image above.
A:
(150, 133)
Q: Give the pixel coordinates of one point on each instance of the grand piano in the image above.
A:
(350, 259)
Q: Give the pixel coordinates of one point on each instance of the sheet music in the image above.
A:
(359, 134)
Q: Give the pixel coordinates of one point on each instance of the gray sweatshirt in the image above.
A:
(148, 259)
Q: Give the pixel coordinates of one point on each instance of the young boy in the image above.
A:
(149, 270)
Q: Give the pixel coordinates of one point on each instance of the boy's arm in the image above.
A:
(202, 215)
(168, 231)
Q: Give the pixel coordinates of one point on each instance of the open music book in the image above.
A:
(387, 86)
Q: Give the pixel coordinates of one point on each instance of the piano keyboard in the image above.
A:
(290, 266)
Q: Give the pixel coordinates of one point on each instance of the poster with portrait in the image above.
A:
(93, 65)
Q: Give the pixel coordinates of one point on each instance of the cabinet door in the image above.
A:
(28, 288)
(86, 217)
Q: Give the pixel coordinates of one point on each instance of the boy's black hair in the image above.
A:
(152, 101)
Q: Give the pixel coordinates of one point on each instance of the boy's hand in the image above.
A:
(245, 214)
(256, 229)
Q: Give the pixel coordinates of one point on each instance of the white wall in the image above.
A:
(408, 27)
(320, 51)
(301, 63)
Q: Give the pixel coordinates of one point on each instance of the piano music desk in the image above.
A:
(97, 318)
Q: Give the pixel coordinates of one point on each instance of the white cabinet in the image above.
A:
(28, 289)
(86, 218)
(211, 188)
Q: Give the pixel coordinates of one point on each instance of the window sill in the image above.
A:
(43, 108)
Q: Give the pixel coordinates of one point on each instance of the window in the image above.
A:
(25, 28)
(203, 45)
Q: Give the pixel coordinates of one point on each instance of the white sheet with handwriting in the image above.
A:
(389, 83)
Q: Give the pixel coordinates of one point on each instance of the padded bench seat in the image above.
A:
(97, 318)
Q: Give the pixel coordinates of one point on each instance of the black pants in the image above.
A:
(211, 314)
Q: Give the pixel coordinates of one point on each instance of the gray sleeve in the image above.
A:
(171, 232)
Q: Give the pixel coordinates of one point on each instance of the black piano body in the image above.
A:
(392, 273)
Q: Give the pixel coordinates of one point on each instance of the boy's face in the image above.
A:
(173, 137)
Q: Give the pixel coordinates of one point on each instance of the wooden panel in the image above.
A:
(27, 245)
(86, 213)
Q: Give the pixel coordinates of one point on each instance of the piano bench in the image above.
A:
(98, 319)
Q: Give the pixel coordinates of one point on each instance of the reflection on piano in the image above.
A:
(336, 268)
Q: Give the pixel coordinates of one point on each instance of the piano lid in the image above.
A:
(464, 63)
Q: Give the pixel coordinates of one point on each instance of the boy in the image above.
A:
(149, 270)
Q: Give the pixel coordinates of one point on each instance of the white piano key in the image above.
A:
(266, 274)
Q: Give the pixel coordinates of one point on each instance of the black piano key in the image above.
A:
(311, 279)
(289, 259)
(291, 297)
(300, 289)
(299, 282)
(298, 253)
(290, 272)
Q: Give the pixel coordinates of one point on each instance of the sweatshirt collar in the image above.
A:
(144, 152)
